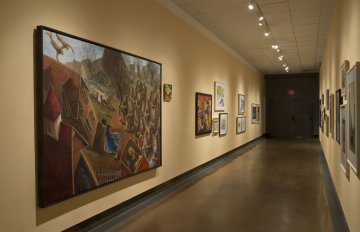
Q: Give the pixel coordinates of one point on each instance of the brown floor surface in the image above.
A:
(276, 186)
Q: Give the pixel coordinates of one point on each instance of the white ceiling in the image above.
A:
(299, 27)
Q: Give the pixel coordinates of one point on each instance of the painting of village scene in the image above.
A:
(100, 117)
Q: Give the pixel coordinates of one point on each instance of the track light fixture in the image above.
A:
(260, 24)
(267, 34)
(261, 18)
(251, 6)
(275, 46)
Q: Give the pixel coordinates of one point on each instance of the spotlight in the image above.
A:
(287, 68)
(251, 6)
(275, 46)
(278, 50)
(261, 18)
(260, 24)
(280, 58)
(267, 34)
(284, 65)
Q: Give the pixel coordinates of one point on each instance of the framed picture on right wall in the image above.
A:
(353, 98)
(343, 70)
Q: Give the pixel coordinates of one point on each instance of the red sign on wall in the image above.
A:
(291, 91)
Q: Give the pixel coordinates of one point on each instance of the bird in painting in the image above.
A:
(59, 48)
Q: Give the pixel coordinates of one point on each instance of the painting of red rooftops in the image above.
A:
(99, 115)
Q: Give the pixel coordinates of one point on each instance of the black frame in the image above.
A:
(40, 110)
(337, 108)
(197, 132)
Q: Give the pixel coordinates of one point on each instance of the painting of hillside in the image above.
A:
(100, 117)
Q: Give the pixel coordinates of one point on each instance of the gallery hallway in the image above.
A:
(277, 185)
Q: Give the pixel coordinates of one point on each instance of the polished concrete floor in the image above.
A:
(276, 186)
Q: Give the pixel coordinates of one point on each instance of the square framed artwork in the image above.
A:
(215, 127)
(343, 70)
(203, 113)
(223, 124)
(167, 92)
(353, 84)
(253, 113)
(220, 96)
(87, 134)
(337, 114)
(241, 104)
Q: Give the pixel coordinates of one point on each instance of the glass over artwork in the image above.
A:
(101, 115)
(203, 114)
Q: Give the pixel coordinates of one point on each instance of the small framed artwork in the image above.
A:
(343, 70)
(203, 113)
(322, 99)
(337, 113)
(320, 111)
(243, 124)
(332, 115)
(327, 99)
(240, 125)
(241, 104)
(167, 92)
(327, 125)
(258, 114)
(353, 84)
(220, 93)
(215, 126)
(253, 113)
(343, 138)
(223, 124)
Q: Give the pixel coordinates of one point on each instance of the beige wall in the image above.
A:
(343, 44)
(191, 62)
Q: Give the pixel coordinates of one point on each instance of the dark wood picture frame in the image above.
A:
(91, 109)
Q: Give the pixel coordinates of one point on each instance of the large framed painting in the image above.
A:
(343, 70)
(253, 113)
(353, 85)
(241, 104)
(223, 124)
(99, 115)
(203, 113)
(337, 114)
(332, 115)
(220, 93)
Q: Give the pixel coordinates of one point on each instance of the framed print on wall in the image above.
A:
(258, 113)
(220, 93)
(203, 113)
(337, 113)
(90, 131)
(343, 138)
(240, 125)
(167, 92)
(215, 126)
(241, 104)
(343, 70)
(327, 99)
(223, 124)
(253, 113)
(332, 115)
(353, 85)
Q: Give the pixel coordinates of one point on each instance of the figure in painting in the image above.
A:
(133, 159)
(112, 140)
